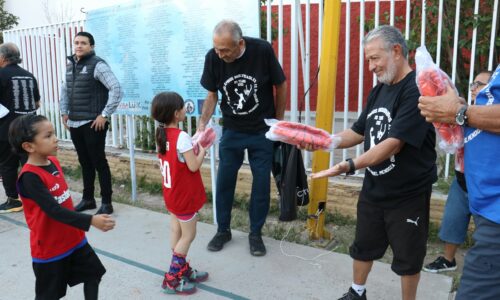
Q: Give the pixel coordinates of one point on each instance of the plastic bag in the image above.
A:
(211, 135)
(459, 160)
(432, 81)
(291, 180)
(294, 133)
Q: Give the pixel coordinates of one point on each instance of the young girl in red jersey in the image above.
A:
(60, 251)
(183, 189)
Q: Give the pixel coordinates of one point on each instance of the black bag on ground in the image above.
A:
(291, 180)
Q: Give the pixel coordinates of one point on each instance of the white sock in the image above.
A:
(360, 289)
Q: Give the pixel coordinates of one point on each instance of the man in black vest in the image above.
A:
(89, 96)
(19, 96)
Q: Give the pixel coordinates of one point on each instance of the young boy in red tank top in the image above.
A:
(59, 249)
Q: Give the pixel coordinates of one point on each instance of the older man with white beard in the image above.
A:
(399, 158)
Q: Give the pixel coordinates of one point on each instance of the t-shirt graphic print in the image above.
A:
(379, 121)
(241, 94)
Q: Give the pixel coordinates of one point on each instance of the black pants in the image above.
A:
(9, 165)
(83, 265)
(89, 145)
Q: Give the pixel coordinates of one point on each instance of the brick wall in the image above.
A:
(342, 193)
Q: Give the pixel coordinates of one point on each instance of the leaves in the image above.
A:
(7, 20)
(468, 22)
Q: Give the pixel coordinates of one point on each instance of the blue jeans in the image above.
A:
(481, 275)
(456, 216)
(231, 153)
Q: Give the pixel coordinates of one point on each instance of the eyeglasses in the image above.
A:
(474, 85)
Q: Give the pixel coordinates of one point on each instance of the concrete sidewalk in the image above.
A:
(137, 253)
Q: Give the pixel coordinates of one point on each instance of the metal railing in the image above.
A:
(44, 50)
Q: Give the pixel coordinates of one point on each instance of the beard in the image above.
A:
(389, 74)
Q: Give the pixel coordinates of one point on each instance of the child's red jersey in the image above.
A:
(50, 238)
(183, 190)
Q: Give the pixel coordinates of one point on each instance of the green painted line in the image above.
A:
(144, 267)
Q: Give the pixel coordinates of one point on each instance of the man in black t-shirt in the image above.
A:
(393, 206)
(20, 96)
(245, 71)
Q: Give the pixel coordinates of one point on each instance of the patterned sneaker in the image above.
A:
(352, 295)
(11, 205)
(193, 275)
(441, 264)
(175, 284)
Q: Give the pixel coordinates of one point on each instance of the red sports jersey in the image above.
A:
(50, 238)
(183, 190)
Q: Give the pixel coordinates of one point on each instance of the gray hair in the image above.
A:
(231, 27)
(10, 53)
(390, 35)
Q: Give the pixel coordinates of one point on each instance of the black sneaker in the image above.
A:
(257, 247)
(85, 204)
(11, 205)
(105, 209)
(441, 264)
(353, 295)
(218, 241)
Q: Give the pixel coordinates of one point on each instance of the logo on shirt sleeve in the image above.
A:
(63, 197)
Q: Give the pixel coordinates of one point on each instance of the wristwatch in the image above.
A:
(461, 117)
(352, 167)
(104, 116)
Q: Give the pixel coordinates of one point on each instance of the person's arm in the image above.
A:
(31, 186)
(63, 104)
(444, 108)
(484, 117)
(193, 161)
(349, 138)
(104, 74)
(280, 100)
(38, 192)
(379, 153)
(208, 109)
(185, 147)
(36, 92)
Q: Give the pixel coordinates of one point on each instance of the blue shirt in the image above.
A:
(482, 159)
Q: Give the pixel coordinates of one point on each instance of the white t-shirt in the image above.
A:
(184, 144)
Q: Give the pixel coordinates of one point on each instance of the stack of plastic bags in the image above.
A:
(211, 135)
(432, 81)
(299, 134)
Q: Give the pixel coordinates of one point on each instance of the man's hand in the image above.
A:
(65, 121)
(340, 168)
(308, 147)
(441, 108)
(201, 126)
(103, 222)
(99, 123)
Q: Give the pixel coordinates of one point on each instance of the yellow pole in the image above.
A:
(324, 114)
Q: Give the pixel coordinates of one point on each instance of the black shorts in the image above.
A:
(53, 278)
(404, 228)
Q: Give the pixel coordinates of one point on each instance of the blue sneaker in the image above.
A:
(176, 284)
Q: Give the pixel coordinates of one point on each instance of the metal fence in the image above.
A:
(44, 50)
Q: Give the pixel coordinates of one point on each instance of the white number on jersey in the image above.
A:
(165, 173)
